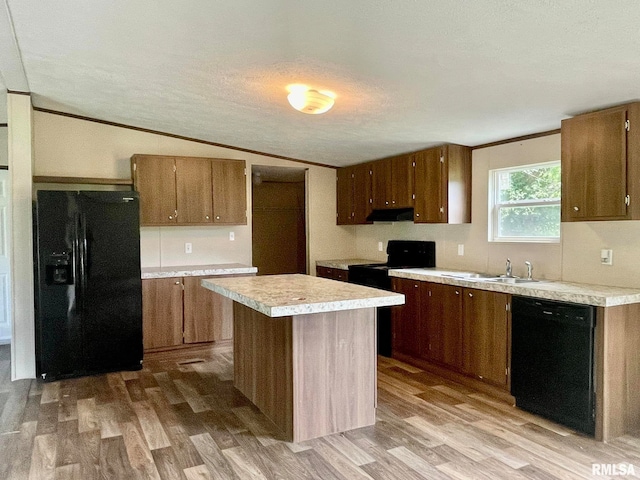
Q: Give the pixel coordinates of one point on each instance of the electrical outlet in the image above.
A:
(461, 249)
(188, 247)
(232, 236)
(380, 249)
(606, 257)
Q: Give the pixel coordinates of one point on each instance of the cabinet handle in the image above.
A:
(417, 214)
(217, 217)
(393, 201)
(207, 217)
(170, 217)
(386, 203)
(471, 294)
(575, 209)
(178, 282)
(415, 285)
(457, 292)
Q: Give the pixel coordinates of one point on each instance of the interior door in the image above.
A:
(5, 303)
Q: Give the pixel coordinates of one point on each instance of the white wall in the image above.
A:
(72, 147)
(20, 171)
(574, 259)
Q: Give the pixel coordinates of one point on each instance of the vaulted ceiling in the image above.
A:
(407, 74)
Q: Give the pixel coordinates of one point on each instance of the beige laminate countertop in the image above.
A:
(597, 295)
(343, 263)
(198, 270)
(285, 295)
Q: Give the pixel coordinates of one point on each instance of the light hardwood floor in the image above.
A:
(181, 418)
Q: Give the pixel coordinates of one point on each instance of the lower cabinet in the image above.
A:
(179, 310)
(486, 334)
(161, 312)
(462, 329)
(332, 273)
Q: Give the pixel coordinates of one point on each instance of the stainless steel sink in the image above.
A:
(469, 275)
(512, 280)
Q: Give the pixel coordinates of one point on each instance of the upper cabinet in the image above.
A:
(190, 190)
(354, 194)
(600, 165)
(443, 185)
(435, 182)
(393, 182)
(229, 191)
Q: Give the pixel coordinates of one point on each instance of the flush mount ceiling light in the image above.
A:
(307, 100)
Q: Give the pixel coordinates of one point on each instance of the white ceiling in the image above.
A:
(407, 74)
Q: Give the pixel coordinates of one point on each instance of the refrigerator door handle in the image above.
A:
(84, 251)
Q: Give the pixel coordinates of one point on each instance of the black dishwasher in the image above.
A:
(552, 369)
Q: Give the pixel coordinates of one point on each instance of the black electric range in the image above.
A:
(400, 254)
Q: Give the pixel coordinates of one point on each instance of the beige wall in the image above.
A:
(71, 147)
(574, 259)
(4, 152)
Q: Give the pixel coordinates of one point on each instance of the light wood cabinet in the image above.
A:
(161, 312)
(190, 190)
(154, 179)
(601, 165)
(194, 200)
(179, 310)
(443, 185)
(208, 317)
(486, 334)
(229, 191)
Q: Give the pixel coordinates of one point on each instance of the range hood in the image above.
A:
(391, 215)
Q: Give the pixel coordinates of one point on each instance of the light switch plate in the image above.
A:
(188, 247)
(380, 247)
(461, 249)
(232, 236)
(606, 256)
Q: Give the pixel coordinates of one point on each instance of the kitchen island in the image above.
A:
(305, 350)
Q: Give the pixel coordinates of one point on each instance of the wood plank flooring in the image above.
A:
(181, 418)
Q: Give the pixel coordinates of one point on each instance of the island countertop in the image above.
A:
(198, 270)
(295, 294)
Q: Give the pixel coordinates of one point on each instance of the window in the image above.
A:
(524, 203)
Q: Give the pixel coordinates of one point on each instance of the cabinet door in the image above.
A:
(429, 186)
(486, 335)
(402, 181)
(229, 191)
(154, 178)
(406, 318)
(381, 183)
(362, 193)
(193, 189)
(594, 166)
(443, 309)
(208, 316)
(324, 272)
(161, 312)
(345, 195)
(432, 314)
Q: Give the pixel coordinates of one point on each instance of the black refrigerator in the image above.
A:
(87, 283)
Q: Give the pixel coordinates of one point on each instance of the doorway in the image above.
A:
(279, 223)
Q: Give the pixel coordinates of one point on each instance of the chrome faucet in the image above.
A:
(529, 270)
(508, 272)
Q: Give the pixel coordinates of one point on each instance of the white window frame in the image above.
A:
(495, 205)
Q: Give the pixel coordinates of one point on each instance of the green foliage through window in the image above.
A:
(526, 203)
